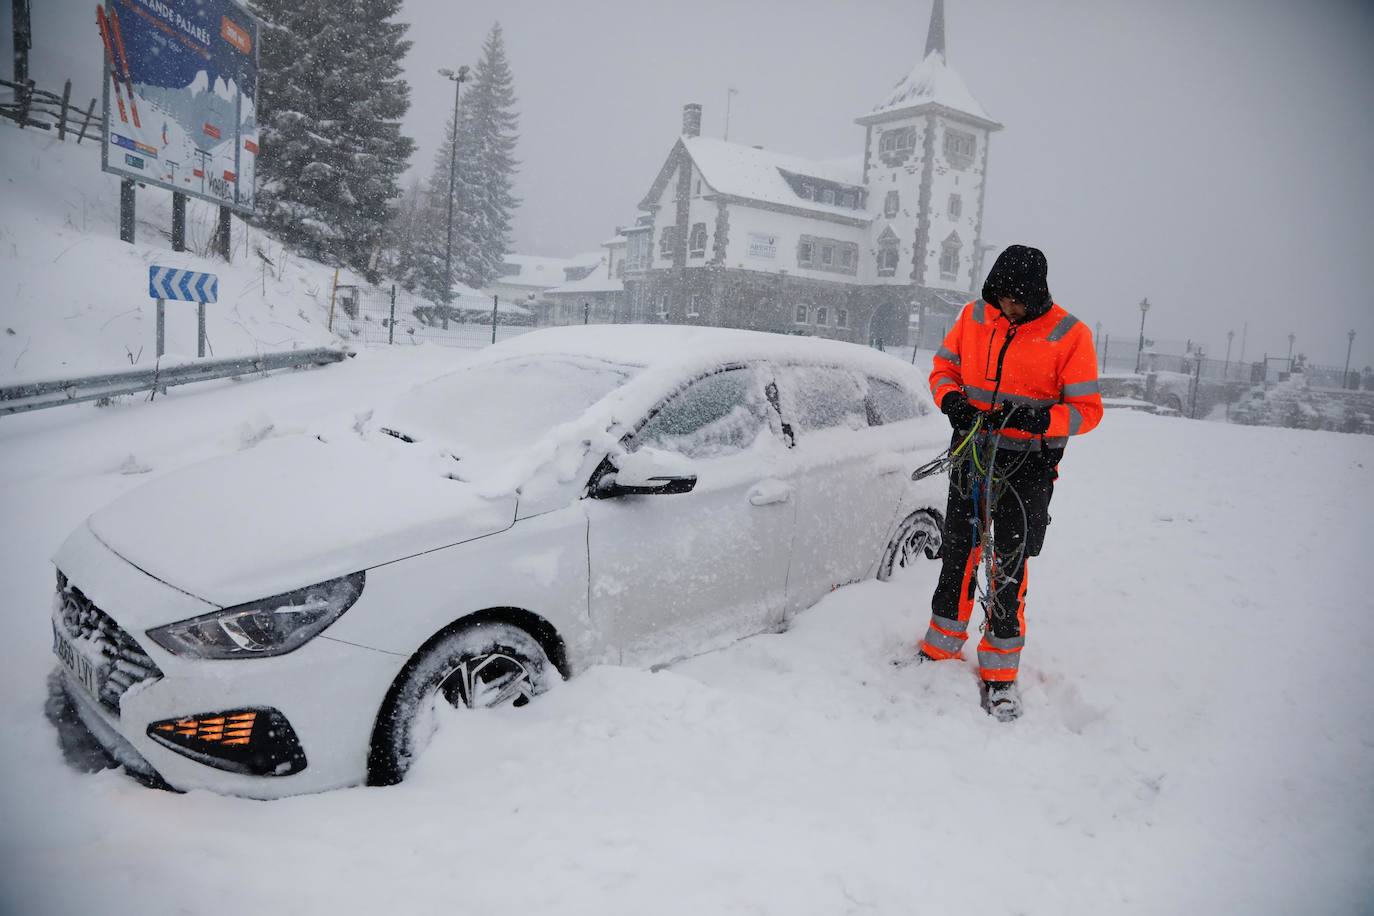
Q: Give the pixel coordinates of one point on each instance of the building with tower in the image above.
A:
(738, 236)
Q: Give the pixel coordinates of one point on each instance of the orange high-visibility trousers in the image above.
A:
(1020, 517)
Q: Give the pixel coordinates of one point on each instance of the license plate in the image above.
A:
(82, 668)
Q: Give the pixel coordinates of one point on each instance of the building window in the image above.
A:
(620, 270)
(891, 204)
(959, 148)
(828, 196)
(663, 303)
(847, 258)
(827, 255)
(698, 187)
(956, 206)
(897, 142)
(888, 248)
(804, 252)
(822, 316)
(801, 314)
(849, 199)
(694, 307)
(697, 240)
(808, 190)
(665, 242)
(841, 318)
(949, 257)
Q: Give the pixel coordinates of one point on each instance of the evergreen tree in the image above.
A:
(331, 102)
(483, 201)
(493, 134)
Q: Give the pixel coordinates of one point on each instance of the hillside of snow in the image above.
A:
(1197, 737)
(74, 297)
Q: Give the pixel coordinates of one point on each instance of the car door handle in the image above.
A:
(769, 492)
(892, 464)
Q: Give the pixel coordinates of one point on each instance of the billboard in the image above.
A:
(180, 98)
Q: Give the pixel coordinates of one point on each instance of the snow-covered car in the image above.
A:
(286, 618)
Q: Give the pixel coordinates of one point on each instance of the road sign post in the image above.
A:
(187, 286)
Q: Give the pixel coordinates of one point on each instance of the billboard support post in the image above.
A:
(224, 232)
(126, 210)
(178, 221)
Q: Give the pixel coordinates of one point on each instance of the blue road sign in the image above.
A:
(185, 285)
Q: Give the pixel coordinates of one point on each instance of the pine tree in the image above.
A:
(331, 103)
(494, 123)
(485, 167)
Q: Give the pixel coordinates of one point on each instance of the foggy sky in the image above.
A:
(1214, 156)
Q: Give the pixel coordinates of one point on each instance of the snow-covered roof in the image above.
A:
(933, 82)
(594, 282)
(535, 271)
(744, 171)
(618, 239)
(587, 258)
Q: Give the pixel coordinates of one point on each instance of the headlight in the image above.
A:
(272, 626)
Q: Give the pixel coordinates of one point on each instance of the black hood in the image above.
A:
(1021, 273)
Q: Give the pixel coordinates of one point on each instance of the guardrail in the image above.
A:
(73, 390)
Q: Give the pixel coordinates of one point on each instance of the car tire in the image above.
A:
(477, 665)
(921, 532)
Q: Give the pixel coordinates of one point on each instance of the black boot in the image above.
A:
(1002, 700)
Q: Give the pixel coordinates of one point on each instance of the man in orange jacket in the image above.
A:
(1026, 369)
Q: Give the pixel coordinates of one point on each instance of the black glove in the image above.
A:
(962, 414)
(1019, 416)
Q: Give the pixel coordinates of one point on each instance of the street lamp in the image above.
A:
(458, 79)
(1345, 376)
(1291, 337)
(1230, 335)
(1140, 350)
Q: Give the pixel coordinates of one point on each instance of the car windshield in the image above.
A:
(508, 404)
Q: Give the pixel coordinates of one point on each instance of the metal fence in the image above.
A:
(390, 316)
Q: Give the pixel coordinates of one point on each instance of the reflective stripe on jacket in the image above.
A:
(1046, 362)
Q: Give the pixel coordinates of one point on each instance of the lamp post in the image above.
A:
(1226, 372)
(458, 79)
(1291, 337)
(1350, 343)
(1140, 350)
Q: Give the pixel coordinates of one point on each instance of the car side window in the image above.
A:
(721, 414)
(888, 402)
(823, 397)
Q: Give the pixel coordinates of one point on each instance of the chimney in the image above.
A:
(691, 120)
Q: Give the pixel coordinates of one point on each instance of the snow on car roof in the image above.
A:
(665, 357)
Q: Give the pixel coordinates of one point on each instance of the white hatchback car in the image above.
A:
(284, 619)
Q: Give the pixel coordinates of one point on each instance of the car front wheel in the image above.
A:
(476, 666)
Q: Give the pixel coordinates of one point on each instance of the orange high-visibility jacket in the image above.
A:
(1045, 362)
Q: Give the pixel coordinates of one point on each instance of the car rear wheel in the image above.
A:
(477, 666)
(919, 534)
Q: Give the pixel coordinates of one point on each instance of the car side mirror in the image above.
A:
(646, 472)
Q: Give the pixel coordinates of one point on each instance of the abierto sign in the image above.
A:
(181, 96)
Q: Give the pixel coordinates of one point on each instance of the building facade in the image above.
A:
(737, 236)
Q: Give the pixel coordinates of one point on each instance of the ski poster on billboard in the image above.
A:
(181, 96)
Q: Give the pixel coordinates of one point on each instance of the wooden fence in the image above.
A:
(34, 107)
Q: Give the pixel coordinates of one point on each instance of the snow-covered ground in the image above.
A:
(1198, 734)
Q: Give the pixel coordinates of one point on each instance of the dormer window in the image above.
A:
(828, 196)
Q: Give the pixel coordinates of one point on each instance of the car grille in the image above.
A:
(126, 664)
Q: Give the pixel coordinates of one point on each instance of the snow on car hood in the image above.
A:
(292, 512)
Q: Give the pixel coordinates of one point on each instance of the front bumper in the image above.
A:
(328, 691)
